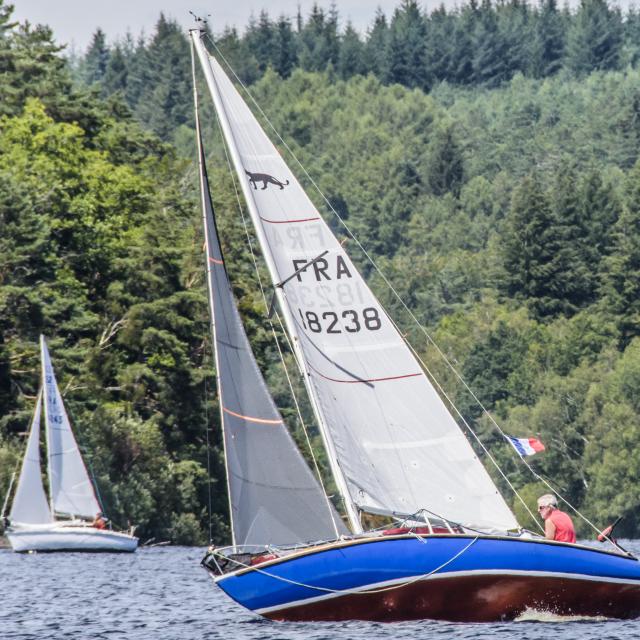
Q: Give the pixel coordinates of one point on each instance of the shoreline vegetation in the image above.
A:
(487, 157)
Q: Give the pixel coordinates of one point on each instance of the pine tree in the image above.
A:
(375, 51)
(548, 41)
(491, 49)
(285, 56)
(445, 166)
(407, 46)
(573, 230)
(440, 51)
(631, 50)
(260, 38)
(351, 58)
(514, 25)
(166, 100)
(534, 264)
(594, 40)
(115, 77)
(319, 40)
(96, 58)
(621, 268)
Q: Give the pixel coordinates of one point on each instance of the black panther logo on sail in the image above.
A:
(266, 179)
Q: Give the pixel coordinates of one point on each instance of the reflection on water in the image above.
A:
(163, 594)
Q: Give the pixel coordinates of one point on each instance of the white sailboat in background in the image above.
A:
(63, 522)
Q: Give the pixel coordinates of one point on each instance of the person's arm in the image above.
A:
(549, 529)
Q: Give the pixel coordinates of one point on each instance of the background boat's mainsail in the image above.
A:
(70, 486)
(274, 497)
(30, 505)
(397, 446)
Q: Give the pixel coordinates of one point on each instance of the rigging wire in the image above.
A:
(418, 578)
(395, 293)
(206, 431)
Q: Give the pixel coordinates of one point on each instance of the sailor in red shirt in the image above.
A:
(99, 521)
(557, 524)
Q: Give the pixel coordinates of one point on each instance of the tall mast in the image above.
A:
(341, 483)
(209, 284)
(43, 399)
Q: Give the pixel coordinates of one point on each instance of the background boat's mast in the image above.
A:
(352, 511)
(46, 424)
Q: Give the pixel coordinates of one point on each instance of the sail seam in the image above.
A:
(251, 419)
(363, 381)
(288, 221)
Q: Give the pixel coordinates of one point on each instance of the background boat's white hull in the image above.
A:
(66, 538)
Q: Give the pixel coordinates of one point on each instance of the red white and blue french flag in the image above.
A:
(526, 446)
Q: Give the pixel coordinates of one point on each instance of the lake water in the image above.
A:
(162, 593)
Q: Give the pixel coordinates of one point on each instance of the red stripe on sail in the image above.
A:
(215, 261)
(288, 221)
(250, 419)
(407, 375)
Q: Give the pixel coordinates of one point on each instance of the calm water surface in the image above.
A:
(163, 594)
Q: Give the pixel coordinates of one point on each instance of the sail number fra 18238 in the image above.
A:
(348, 320)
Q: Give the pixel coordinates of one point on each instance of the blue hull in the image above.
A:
(457, 577)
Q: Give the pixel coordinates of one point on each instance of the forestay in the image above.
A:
(70, 486)
(397, 446)
(30, 504)
(274, 497)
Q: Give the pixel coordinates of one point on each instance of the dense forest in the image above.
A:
(486, 157)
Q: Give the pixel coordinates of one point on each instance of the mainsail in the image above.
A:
(30, 504)
(70, 487)
(393, 445)
(273, 495)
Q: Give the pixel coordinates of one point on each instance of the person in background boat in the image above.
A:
(557, 524)
(99, 522)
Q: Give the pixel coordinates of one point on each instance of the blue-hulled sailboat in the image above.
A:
(393, 447)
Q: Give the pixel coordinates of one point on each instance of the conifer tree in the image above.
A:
(285, 56)
(594, 39)
(445, 166)
(514, 26)
(441, 47)
(375, 49)
(573, 231)
(166, 100)
(621, 269)
(547, 40)
(115, 76)
(351, 57)
(535, 269)
(97, 58)
(319, 40)
(491, 49)
(463, 71)
(260, 38)
(407, 46)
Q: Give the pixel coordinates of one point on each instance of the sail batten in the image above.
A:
(274, 498)
(365, 384)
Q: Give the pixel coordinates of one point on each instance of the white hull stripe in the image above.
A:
(449, 575)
